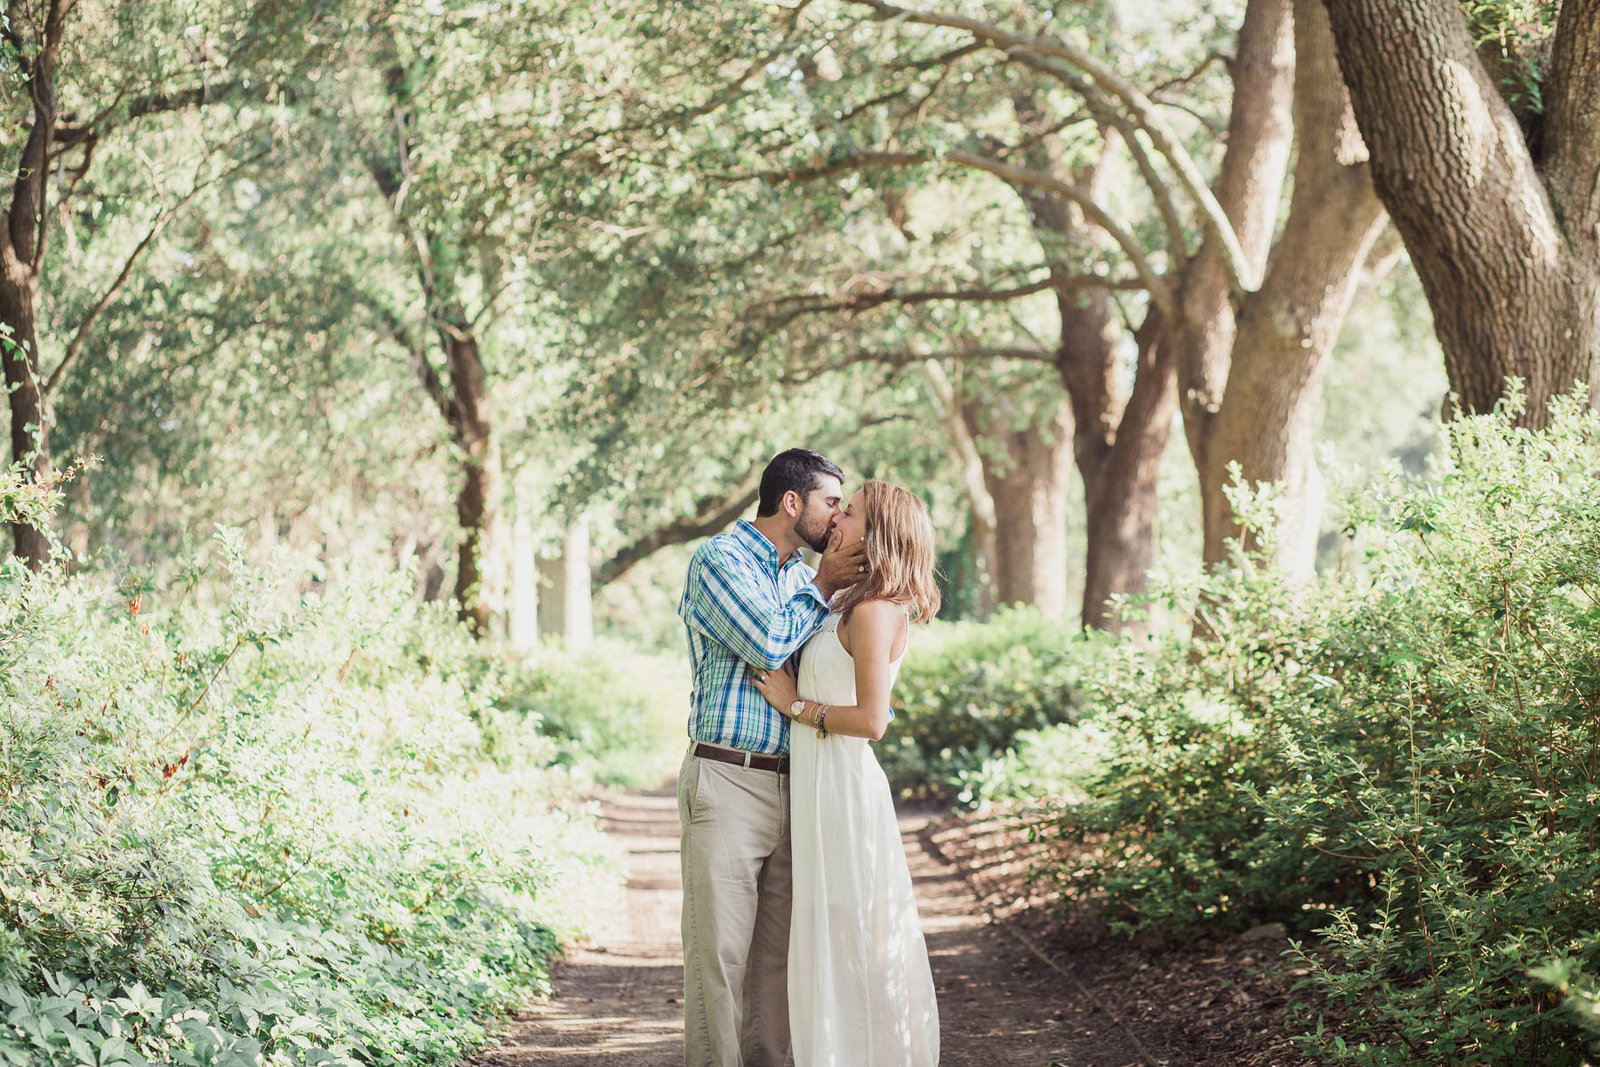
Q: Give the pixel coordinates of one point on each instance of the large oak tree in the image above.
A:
(1499, 212)
(1225, 315)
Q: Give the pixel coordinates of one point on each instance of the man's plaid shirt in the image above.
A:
(742, 606)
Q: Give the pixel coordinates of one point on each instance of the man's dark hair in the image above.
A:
(797, 469)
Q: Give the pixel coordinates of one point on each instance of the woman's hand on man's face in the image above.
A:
(841, 565)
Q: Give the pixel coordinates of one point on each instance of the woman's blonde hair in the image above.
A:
(900, 554)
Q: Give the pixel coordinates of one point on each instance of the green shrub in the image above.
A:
(234, 837)
(616, 715)
(965, 692)
(1053, 765)
(1404, 756)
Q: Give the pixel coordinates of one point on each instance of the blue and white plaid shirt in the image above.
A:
(742, 606)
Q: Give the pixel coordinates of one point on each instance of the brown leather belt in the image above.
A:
(740, 758)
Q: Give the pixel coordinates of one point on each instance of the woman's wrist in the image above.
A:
(805, 712)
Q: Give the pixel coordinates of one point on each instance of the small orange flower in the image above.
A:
(133, 605)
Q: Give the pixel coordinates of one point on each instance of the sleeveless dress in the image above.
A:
(860, 987)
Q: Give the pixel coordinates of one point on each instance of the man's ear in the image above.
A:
(792, 504)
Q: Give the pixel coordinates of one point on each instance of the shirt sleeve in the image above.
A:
(727, 601)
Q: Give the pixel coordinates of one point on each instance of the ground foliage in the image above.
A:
(968, 689)
(613, 714)
(233, 834)
(1401, 756)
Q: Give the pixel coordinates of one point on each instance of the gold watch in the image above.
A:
(795, 708)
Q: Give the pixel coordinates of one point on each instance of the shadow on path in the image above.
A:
(618, 1000)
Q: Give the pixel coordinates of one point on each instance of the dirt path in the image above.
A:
(618, 999)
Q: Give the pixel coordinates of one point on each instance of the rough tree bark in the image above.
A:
(1185, 357)
(469, 426)
(22, 249)
(463, 405)
(1028, 485)
(1249, 187)
(1287, 328)
(1119, 435)
(1505, 243)
(1121, 495)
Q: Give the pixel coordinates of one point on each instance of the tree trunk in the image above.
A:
(576, 597)
(1120, 490)
(30, 427)
(1119, 432)
(78, 531)
(551, 578)
(469, 426)
(472, 516)
(1287, 328)
(982, 551)
(431, 575)
(1249, 189)
(21, 250)
(463, 403)
(1509, 258)
(1029, 489)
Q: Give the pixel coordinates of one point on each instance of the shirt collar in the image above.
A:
(756, 541)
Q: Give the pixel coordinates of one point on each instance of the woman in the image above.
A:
(860, 988)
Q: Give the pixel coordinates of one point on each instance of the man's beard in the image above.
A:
(816, 536)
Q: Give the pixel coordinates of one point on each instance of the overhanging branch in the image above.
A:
(1150, 280)
(1086, 74)
(904, 357)
(711, 515)
(788, 308)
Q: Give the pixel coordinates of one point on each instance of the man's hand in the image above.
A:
(842, 565)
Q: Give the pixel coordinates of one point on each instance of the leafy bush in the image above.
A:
(234, 837)
(1404, 756)
(967, 689)
(1049, 766)
(616, 715)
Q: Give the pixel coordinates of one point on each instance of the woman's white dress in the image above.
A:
(860, 988)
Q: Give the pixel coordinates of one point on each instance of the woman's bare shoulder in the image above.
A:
(880, 610)
(879, 617)
(883, 617)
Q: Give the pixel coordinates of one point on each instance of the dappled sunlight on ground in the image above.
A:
(618, 1000)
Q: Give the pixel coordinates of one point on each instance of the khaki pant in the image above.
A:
(736, 894)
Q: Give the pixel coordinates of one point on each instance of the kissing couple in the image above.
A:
(800, 932)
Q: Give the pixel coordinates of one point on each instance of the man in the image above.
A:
(749, 599)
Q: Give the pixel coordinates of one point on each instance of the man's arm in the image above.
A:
(731, 604)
